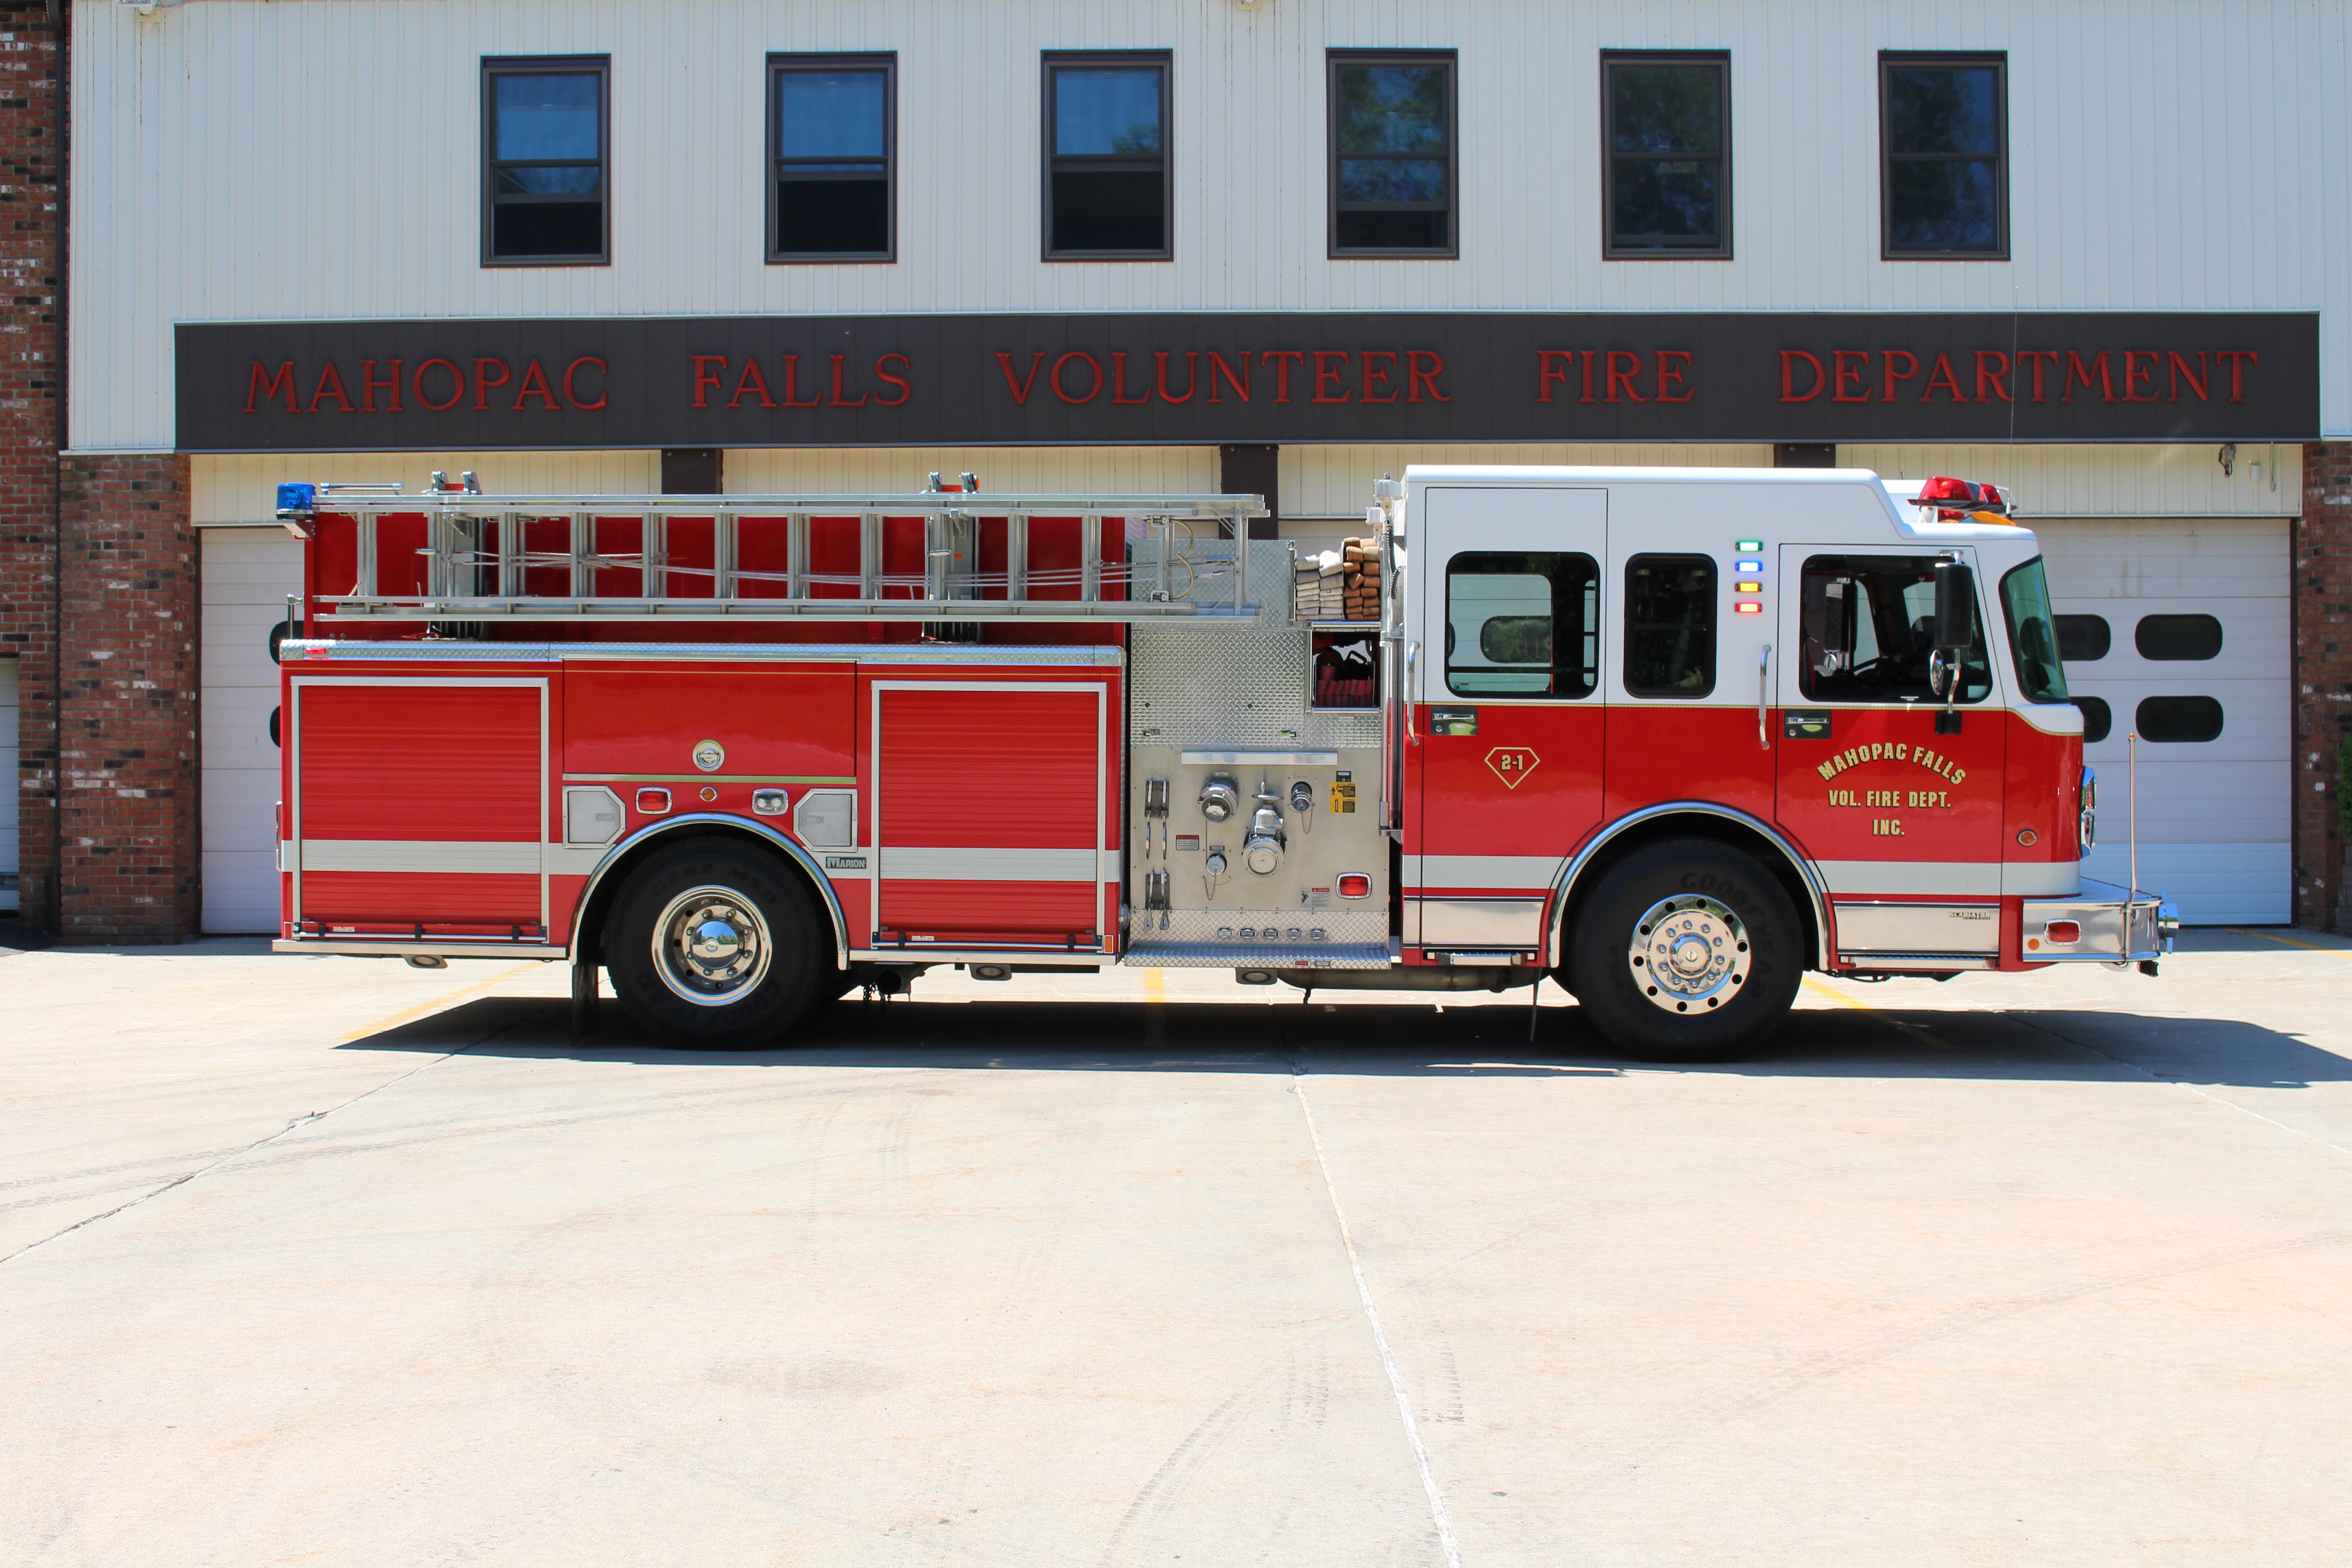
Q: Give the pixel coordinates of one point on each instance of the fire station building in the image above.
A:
(2099, 254)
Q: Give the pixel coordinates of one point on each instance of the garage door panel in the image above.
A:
(246, 574)
(2215, 817)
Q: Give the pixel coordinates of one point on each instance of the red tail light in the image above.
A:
(1353, 886)
(2063, 933)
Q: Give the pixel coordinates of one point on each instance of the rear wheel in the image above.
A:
(716, 948)
(1688, 951)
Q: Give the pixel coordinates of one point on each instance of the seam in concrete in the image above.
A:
(264, 1142)
(1379, 1336)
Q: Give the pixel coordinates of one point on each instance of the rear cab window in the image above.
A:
(1522, 624)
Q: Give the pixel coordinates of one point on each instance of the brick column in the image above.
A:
(2323, 679)
(130, 761)
(31, 265)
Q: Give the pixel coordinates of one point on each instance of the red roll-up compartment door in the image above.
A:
(419, 804)
(990, 818)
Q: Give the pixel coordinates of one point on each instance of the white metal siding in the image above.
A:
(11, 849)
(2140, 482)
(242, 161)
(246, 573)
(1046, 469)
(2214, 824)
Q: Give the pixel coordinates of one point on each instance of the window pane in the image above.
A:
(1525, 625)
(1942, 207)
(2033, 634)
(1103, 209)
(1391, 180)
(547, 228)
(2178, 637)
(829, 114)
(1391, 109)
(1942, 110)
(546, 116)
(1113, 111)
(1867, 624)
(2084, 639)
(1662, 109)
(831, 216)
(1661, 202)
(555, 180)
(1670, 626)
(1392, 229)
(2177, 719)
(2098, 720)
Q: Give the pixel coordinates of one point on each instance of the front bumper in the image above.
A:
(2113, 925)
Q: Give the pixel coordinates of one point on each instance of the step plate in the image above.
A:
(1256, 955)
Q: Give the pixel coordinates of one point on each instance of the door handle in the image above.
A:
(1411, 661)
(1764, 699)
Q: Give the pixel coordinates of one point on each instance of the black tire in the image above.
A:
(1709, 1011)
(746, 1003)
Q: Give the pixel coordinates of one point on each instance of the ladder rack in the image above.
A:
(1183, 567)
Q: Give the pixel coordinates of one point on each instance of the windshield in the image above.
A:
(2033, 634)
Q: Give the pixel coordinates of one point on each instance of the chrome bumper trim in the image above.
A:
(2119, 925)
(420, 949)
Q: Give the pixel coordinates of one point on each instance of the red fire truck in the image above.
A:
(1670, 736)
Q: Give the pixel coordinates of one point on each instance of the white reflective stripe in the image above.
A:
(574, 860)
(991, 864)
(1929, 878)
(1500, 871)
(441, 857)
(2042, 878)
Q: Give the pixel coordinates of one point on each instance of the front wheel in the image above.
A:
(716, 948)
(1688, 951)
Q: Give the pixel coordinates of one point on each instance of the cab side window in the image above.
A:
(1868, 624)
(1670, 626)
(1522, 624)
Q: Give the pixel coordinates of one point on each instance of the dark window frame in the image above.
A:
(1333, 61)
(1893, 60)
(1631, 629)
(1610, 60)
(1590, 574)
(497, 66)
(1164, 61)
(780, 65)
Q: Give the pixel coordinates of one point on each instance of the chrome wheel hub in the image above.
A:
(711, 946)
(1688, 954)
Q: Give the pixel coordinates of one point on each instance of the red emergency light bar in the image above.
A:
(1955, 498)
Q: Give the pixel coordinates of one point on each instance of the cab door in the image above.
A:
(1506, 779)
(1897, 799)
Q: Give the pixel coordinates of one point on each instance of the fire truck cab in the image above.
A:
(1671, 737)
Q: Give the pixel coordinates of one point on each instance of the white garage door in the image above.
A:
(247, 573)
(10, 840)
(2179, 629)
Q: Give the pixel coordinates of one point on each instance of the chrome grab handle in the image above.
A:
(1764, 699)
(1412, 660)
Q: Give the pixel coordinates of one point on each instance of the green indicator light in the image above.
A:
(1751, 544)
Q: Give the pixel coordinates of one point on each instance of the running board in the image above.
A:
(1256, 955)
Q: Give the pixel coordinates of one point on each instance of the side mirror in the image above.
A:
(1956, 596)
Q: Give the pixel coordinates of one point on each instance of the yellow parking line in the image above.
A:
(424, 1008)
(1926, 1036)
(2290, 942)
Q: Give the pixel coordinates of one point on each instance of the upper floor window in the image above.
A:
(1392, 154)
(830, 123)
(1668, 166)
(1944, 129)
(1107, 157)
(544, 156)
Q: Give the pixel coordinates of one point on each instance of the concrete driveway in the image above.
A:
(332, 1261)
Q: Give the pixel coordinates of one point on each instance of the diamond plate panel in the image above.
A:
(1238, 689)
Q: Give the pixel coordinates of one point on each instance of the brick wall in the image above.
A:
(129, 755)
(2322, 680)
(31, 266)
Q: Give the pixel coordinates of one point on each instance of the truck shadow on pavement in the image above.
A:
(1406, 1039)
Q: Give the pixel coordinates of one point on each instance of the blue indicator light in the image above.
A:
(1749, 568)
